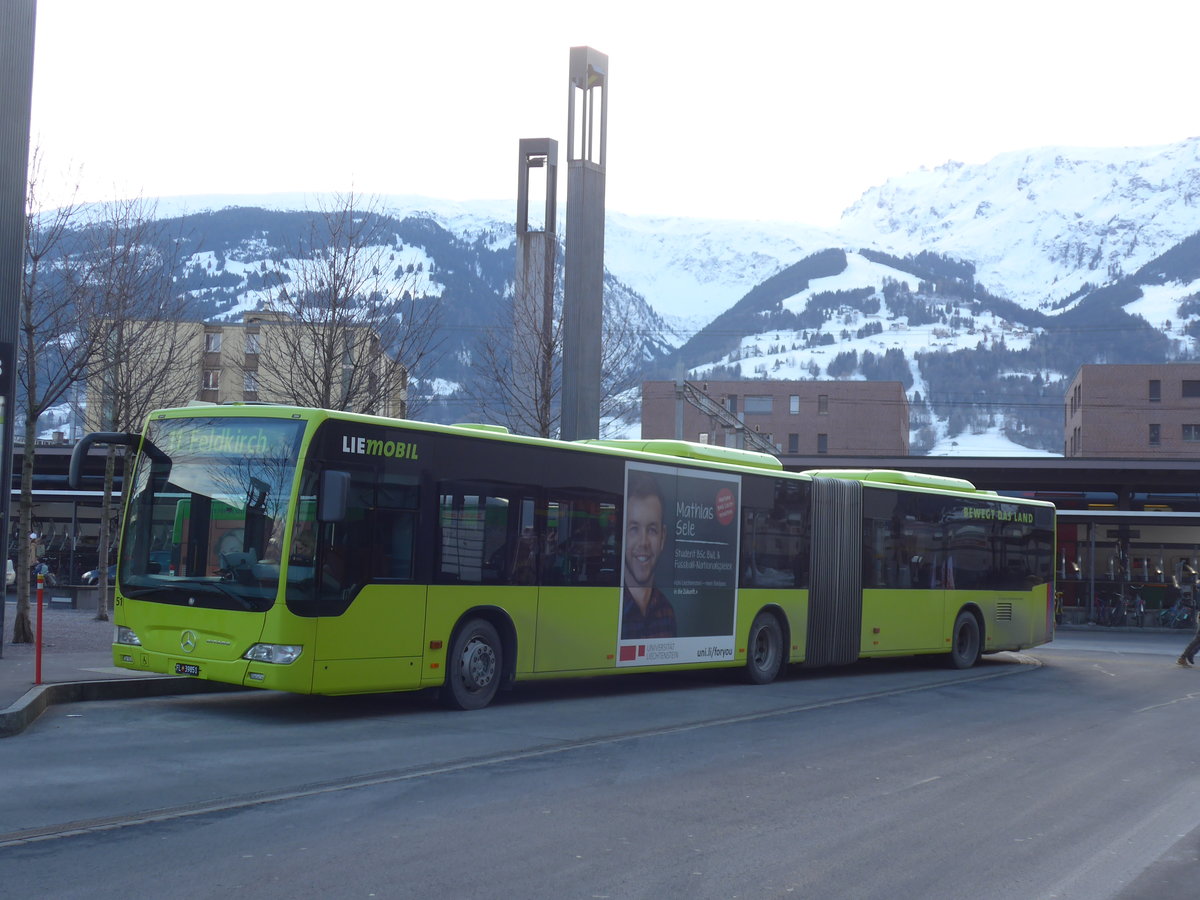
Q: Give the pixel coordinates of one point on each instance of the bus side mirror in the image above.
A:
(334, 496)
(79, 454)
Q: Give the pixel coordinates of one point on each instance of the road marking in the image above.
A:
(1191, 696)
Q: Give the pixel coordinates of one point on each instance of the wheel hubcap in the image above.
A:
(964, 640)
(762, 647)
(478, 664)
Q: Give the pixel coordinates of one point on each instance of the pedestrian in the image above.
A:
(1188, 657)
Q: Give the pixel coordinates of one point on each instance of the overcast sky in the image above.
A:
(747, 110)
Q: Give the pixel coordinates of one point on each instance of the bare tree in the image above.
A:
(132, 263)
(622, 352)
(54, 351)
(345, 326)
(519, 365)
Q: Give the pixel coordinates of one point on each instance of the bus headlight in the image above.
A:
(123, 635)
(279, 654)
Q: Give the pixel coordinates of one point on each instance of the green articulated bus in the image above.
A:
(332, 553)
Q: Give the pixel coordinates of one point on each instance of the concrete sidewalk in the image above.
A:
(76, 665)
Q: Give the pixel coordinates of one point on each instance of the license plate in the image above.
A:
(187, 669)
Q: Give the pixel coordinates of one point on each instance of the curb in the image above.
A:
(1093, 628)
(18, 717)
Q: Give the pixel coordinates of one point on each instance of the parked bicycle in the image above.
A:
(1177, 616)
(1137, 606)
(1109, 610)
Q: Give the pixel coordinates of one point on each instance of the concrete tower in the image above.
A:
(533, 303)
(583, 287)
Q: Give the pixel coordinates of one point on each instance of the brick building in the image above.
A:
(1133, 411)
(842, 418)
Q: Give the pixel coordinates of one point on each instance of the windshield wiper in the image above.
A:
(216, 587)
(134, 593)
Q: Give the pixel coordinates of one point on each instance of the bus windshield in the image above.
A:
(208, 510)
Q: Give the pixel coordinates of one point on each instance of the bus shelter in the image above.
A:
(67, 525)
(1128, 567)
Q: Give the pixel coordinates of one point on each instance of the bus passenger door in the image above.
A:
(485, 564)
(579, 597)
(371, 613)
(905, 572)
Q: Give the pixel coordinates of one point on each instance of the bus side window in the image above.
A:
(581, 541)
(395, 528)
(345, 551)
(901, 541)
(525, 561)
(473, 546)
(775, 534)
(396, 531)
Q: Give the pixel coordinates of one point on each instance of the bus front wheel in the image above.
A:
(964, 642)
(764, 650)
(474, 666)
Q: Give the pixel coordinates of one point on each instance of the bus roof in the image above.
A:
(691, 450)
(891, 476)
(677, 449)
(685, 450)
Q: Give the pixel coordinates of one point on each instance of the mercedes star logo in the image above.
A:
(187, 641)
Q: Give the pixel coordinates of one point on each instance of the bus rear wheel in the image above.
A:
(764, 649)
(964, 642)
(474, 666)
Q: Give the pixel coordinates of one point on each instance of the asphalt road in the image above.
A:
(1064, 773)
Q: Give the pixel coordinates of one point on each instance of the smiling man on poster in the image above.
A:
(645, 610)
(679, 576)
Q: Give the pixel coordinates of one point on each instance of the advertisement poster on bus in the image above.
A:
(680, 566)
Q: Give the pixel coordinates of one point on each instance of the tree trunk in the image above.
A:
(22, 627)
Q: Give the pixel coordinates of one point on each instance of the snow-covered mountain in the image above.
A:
(981, 288)
(1040, 224)
(692, 270)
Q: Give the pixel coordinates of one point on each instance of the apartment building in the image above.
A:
(799, 418)
(1133, 411)
(267, 358)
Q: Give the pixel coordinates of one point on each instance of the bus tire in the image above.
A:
(964, 642)
(764, 649)
(474, 666)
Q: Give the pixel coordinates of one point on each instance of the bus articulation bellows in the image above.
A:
(331, 553)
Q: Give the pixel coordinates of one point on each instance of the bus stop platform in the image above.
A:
(76, 665)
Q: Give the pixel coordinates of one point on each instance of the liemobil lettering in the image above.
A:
(374, 447)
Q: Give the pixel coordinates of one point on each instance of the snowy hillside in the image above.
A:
(691, 270)
(986, 443)
(688, 270)
(1040, 224)
(808, 353)
(857, 316)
